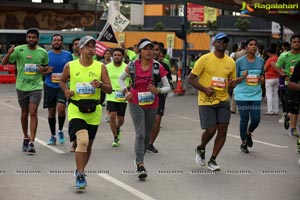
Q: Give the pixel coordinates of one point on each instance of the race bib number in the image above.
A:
(119, 95)
(55, 77)
(292, 69)
(145, 98)
(30, 69)
(218, 83)
(85, 89)
(252, 79)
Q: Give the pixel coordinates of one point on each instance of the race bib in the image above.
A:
(218, 83)
(145, 98)
(291, 69)
(30, 69)
(119, 95)
(85, 89)
(252, 79)
(55, 77)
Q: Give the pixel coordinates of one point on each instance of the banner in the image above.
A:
(195, 12)
(107, 34)
(100, 48)
(118, 21)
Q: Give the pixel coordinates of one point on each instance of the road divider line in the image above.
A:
(234, 136)
(41, 142)
(126, 187)
(261, 142)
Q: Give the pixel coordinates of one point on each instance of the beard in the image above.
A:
(56, 47)
(118, 62)
(32, 44)
(296, 49)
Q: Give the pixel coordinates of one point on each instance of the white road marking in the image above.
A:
(234, 136)
(126, 187)
(107, 177)
(53, 148)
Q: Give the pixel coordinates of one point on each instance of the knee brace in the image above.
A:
(82, 140)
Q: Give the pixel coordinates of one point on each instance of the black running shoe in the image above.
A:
(31, 149)
(152, 149)
(244, 148)
(25, 145)
(141, 171)
(200, 156)
(286, 121)
(249, 141)
(212, 165)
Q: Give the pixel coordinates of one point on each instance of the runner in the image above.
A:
(216, 72)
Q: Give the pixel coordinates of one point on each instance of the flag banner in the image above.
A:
(100, 48)
(107, 34)
(118, 21)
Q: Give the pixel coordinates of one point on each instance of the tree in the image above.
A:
(242, 24)
(159, 26)
(212, 26)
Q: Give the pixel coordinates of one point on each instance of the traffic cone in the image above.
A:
(179, 89)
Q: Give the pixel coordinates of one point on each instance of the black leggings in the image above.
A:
(284, 101)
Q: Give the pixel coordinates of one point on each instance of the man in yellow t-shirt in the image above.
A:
(116, 104)
(216, 72)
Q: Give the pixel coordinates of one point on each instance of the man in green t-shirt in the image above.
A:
(31, 61)
(285, 67)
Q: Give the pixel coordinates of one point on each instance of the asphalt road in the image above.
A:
(269, 171)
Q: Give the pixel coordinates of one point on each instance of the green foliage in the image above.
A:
(212, 26)
(159, 26)
(242, 24)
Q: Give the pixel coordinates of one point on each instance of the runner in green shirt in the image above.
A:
(31, 61)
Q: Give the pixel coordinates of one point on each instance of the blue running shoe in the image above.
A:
(80, 182)
(25, 145)
(61, 137)
(52, 140)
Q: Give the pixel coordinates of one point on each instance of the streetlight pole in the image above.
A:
(183, 30)
(96, 15)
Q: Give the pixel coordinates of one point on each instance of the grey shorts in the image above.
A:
(212, 115)
(24, 97)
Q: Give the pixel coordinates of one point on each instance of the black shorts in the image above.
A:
(293, 101)
(79, 124)
(118, 107)
(161, 105)
(52, 96)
